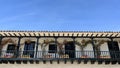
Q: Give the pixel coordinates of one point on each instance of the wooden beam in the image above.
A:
(34, 34)
(63, 34)
(77, 34)
(29, 34)
(68, 34)
(44, 61)
(10, 34)
(107, 62)
(100, 62)
(91, 35)
(82, 35)
(44, 34)
(92, 61)
(53, 34)
(39, 34)
(24, 34)
(58, 61)
(101, 35)
(14, 34)
(111, 35)
(87, 35)
(5, 34)
(116, 35)
(79, 61)
(58, 34)
(48, 34)
(106, 35)
(72, 34)
(19, 34)
(97, 35)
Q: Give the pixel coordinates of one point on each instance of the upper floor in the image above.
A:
(79, 46)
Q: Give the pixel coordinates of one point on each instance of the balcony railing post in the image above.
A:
(74, 45)
(1, 39)
(94, 48)
(37, 47)
(19, 40)
(55, 44)
(0, 44)
(113, 52)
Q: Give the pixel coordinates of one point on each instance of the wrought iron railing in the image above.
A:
(65, 55)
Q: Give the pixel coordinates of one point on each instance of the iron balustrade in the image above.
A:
(69, 54)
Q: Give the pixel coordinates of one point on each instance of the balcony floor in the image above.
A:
(65, 60)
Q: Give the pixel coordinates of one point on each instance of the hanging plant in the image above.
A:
(60, 46)
(97, 46)
(46, 42)
(65, 41)
(82, 45)
(61, 49)
(28, 41)
(6, 41)
(100, 42)
(43, 46)
(51, 41)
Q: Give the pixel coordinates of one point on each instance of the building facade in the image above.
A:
(66, 46)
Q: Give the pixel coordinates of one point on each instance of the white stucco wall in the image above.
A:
(4, 48)
(103, 47)
(89, 47)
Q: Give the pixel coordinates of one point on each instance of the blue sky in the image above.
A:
(60, 15)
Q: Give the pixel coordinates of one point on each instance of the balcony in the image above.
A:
(79, 56)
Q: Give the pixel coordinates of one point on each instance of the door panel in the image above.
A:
(114, 49)
(70, 49)
(11, 48)
(52, 48)
(29, 49)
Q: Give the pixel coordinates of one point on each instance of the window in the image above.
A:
(52, 48)
(29, 49)
(10, 48)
